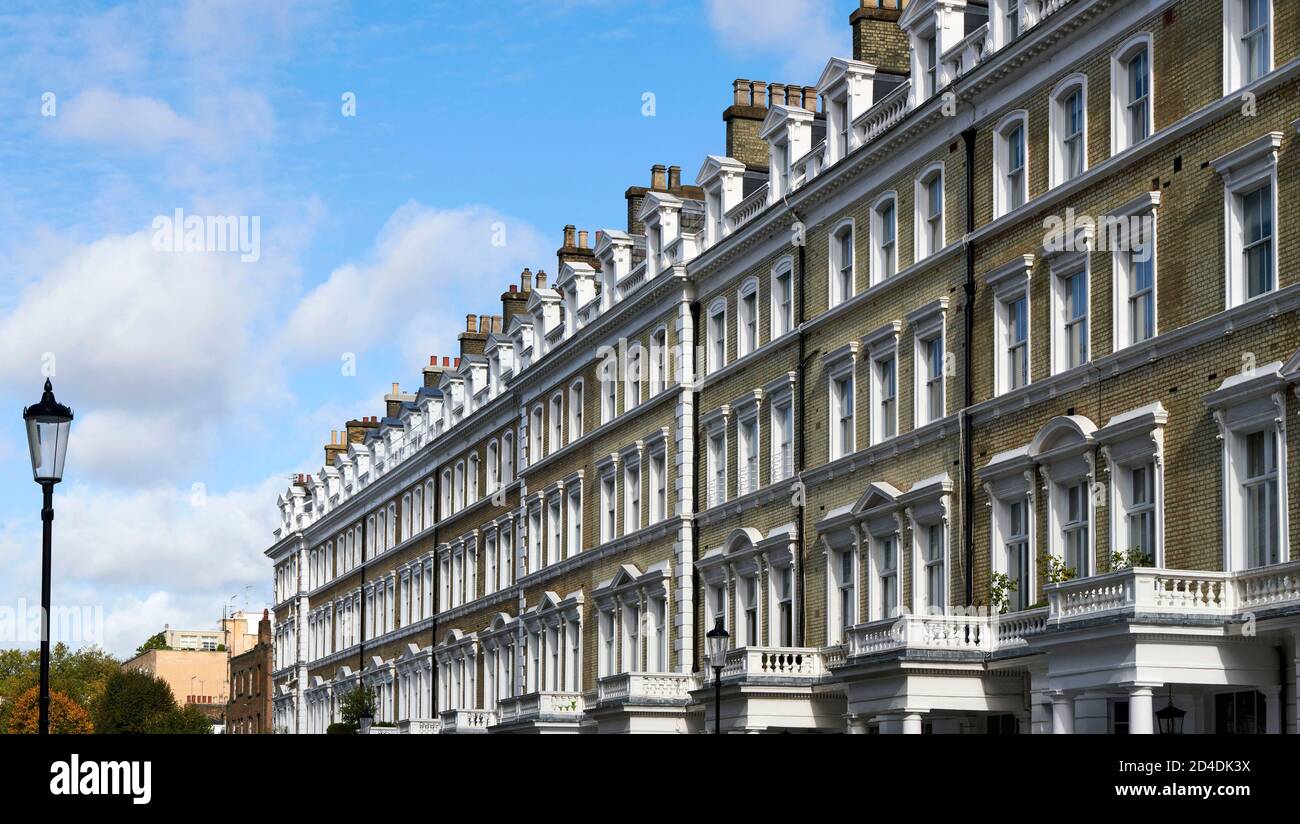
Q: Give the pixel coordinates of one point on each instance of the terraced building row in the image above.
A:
(957, 389)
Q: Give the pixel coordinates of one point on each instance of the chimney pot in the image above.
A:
(810, 98)
(674, 177)
(541, 279)
(394, 387)
(484, 324)
(658, 178)
(496, 323)
(526, 279)
(568, 235)
(446, 361)
(457, 363)
(582, 239)
(513, 288)
(760, 93)
(469, 322)
(740, 88)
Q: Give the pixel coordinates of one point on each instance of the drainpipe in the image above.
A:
(689, 315)
(968, 336)
(801, 372)
(436, 584)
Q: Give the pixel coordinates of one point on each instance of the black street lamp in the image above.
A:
(48, 423)
(1171, 718)
(717, 638)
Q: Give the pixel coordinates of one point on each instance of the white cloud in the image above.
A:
(153, 346)
(163, 555)
(235, 119)
(427, 270)
(802, 34)
(104, 116)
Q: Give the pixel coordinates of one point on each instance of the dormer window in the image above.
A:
(930, 56)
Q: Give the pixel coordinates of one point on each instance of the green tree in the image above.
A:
(187, 720)
(158, 641)
(132, 703)
(80, 675)
(355, 704)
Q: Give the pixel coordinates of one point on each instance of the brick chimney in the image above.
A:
(877, 39)
(433, 372)
(744, 119)
(575, 248)
(357, 429)
(663, 179)
(264, 629)
(472, 340)
(334, 447)
(393, 400)
(515, 300)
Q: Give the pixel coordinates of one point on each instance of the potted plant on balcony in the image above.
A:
(1129, 559)
(1000, 588)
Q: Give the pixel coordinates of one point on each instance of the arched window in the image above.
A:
(1069, 128)
(1010, 172)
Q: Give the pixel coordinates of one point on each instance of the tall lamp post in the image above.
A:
(717, 638)
(48, 423)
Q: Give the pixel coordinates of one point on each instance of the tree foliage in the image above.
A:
(135, 702)
(79, 675)
(355, 704)
(66, 716)
(158, 641)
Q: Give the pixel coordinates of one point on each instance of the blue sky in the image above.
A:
(201, 382)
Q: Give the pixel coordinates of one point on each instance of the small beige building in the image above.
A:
(195, 676)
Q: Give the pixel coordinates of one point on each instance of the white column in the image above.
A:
(1062, 713)
(1272, 710)
(890, 723)
(912, 724)
(1141, 714)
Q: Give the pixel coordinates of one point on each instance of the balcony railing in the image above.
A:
(887, 111)
(644, 686)
(776, 662)
(463, 721)
(973, 633)
(419, 726)
(967, 54)
(533, 706)
(1172, 591)
(745, 211)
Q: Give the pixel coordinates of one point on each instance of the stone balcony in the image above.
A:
(465, 721)
(645, 688)
(1173, 592)
(1145, 593)
(751, 664)
(540, 706)
(419, 726)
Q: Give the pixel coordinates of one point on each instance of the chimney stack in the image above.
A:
(658, 180)
(515, 301)
(674, 178)
(541, 279)
(878, 40)
(433, 372)
(744, 118)
(526, 280)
